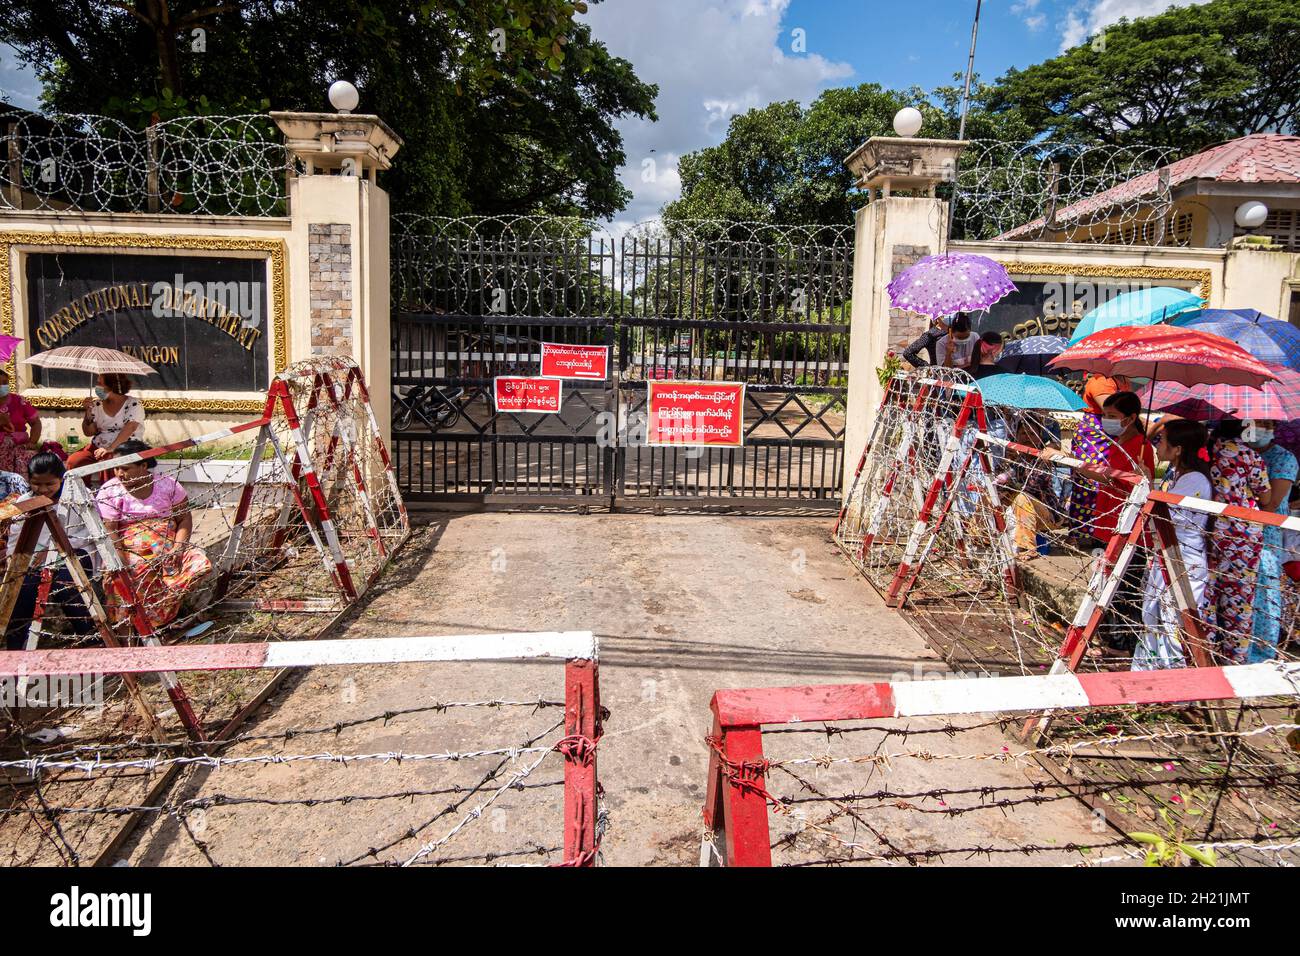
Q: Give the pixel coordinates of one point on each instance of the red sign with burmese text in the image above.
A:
(696, 413)
(518, 394)
(575, 361)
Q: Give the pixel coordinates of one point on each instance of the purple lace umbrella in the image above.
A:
(939, 286)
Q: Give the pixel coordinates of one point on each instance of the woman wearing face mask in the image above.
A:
(109, 419)
(1130, 451)
(1182, 444)
(1266, 622)
(150, 523)
(1239, 478)
(1090, 445)
(20, 428)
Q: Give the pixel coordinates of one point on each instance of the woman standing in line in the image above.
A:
(1266, 624)
(1090, 444)
(1239, 478)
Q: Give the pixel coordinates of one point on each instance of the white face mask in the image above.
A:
(1263, 438)
(1113, 427)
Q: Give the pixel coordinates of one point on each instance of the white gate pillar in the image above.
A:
(892, 233)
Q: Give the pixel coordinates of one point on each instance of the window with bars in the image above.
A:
(1282, 225)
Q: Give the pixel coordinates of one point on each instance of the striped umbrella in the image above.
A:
(1277, 401)
(90, 358)
(1263, 336)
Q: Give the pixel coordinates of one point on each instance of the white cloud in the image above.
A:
(712, 59)
(18, 84)
(1090, 18)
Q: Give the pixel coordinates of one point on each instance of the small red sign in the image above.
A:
(661, 373)
(519, 394)
(696, 413)
(575, 361)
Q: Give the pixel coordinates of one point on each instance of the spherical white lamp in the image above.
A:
(1251, 215)
(907, 121)
(344, 96)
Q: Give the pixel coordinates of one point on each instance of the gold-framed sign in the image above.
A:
(1052, 297)
(207, 315)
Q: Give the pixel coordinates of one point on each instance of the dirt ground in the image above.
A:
(682, 606)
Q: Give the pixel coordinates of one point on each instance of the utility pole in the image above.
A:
(970, 69)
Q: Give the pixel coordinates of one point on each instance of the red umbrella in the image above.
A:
(1277, 400)
(1165, 352)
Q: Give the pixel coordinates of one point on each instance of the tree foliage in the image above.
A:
(505, 106)
(1187, 78)
(784, 164)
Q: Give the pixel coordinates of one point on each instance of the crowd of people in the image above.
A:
(145, 513)
(1242, 575)
(1235, 568)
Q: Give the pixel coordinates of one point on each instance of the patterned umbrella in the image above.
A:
(944, 285)
(1143, 307)
(1031, 354)
(1268, 339)
(1028, 391)
(1165, 353)
(90, 358)
(1278, 400)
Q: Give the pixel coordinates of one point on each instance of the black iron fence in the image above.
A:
(699, 301)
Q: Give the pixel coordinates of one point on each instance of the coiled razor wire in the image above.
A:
(205, 165)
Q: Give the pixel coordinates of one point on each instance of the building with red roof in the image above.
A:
(1191, 202)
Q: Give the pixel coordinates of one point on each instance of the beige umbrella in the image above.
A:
(91, 359)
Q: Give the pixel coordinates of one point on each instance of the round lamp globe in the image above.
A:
(907, 121)
(344, 96)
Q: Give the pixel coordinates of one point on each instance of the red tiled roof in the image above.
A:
(1257, 158)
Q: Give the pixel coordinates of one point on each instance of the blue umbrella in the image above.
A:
(1143, 307)
(1263, 336)
(1031, 354)
(1028, 391)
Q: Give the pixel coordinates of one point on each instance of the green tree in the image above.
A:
(784, 164)
(505, 106)
(1187, 78)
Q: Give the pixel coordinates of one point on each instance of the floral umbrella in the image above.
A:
(946, 284)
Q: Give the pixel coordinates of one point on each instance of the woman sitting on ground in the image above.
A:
(148, 519)
(45, 477)
(1183, 445)
(20, 428)
(110, 420)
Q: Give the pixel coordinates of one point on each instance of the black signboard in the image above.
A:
(200, 321)
(1052, 308)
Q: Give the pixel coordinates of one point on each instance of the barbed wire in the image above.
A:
(1067, 192)
(207, 165)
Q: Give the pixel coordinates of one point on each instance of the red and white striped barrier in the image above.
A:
(736, 810)
(560, 645)
(578, 650)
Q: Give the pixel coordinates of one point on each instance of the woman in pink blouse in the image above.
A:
(147, 516)
(20, 429)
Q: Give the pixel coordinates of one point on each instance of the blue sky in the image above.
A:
(713, 59)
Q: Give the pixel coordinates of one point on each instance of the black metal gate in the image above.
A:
(698, 301)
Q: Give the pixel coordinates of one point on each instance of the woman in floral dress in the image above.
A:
(1239, 478)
